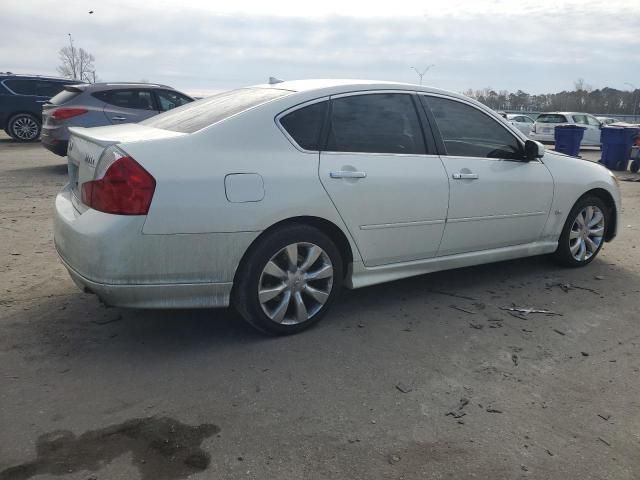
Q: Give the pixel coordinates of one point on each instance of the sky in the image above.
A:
(539, 46)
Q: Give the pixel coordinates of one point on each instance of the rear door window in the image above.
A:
(198, 115)
(304, 125)
(168, 100)
(22, 86)
(134, 98)
(551, 118)
(375, 123)
(468, 132)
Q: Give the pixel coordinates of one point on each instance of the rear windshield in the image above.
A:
(198, 115)
(551, 118)
(63, 97)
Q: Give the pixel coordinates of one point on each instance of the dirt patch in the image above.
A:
(162, 449)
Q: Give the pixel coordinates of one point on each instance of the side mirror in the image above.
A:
(533, 150)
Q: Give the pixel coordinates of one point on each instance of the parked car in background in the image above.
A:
(544, 126)
(99, 104)
(21, 99)
(607, 120)
(284, 193)
(524, 123)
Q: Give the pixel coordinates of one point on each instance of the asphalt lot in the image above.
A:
(425, 378)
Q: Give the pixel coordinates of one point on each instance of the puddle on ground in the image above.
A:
(162, 449)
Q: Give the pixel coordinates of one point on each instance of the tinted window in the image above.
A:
(22, 87)
(137, 99)
(304, 125)
(468, 132)
(551, 118)
(197, 115)
(48, 89)
(376, 123)
(169, 100)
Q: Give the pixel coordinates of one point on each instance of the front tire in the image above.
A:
(583, 233)
(24, 127)
(288, 280)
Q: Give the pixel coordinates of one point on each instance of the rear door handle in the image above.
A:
(347, 174)
(118, 118)
(465, 176)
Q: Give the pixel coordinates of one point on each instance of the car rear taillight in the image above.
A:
(64, 113)
(125, 189)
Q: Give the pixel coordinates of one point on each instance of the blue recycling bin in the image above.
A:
(567, 139)
(616, 146)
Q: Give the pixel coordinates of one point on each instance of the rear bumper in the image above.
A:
(176, 295)
(542, 137)
(55, 146)
(110, 256)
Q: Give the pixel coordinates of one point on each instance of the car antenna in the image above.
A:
(274, 80)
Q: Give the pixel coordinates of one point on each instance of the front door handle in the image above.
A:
(465, 176)
(118, 118)
(347, 174)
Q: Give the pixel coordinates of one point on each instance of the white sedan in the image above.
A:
(273, 197)
(543, 129)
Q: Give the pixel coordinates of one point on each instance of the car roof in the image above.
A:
(566, 113)
(110, 85)
(336, 86)
(21, 76)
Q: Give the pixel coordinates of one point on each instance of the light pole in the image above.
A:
(423, 72)
(635, 98)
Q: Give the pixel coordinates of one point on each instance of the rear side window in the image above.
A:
(304, 125)
(48, 89)
(468, 132)
(198, 115)
(22, 87)
(375, 123)
(551, 118)
(135, 99)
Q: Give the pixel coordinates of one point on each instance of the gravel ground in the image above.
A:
(425, 378)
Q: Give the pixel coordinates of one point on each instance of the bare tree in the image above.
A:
(76, 63)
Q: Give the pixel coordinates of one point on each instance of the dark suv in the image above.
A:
(21, 99)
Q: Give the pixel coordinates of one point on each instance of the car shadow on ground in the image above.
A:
(42, 170)
(75, 324)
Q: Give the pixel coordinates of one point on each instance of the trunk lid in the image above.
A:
(87, 145)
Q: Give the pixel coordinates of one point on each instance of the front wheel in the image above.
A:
(288, 280)
(24, 127)
(583, 233)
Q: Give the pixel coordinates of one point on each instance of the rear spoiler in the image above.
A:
(75, 88)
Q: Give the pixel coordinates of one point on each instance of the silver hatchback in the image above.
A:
(100, 104)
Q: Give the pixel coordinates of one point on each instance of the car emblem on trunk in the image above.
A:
(90, 160)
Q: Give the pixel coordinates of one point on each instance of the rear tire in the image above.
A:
(288, 281)
(583, 233)
(24, 127)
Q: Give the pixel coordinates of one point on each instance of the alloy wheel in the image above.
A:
(25, 128)
(295, 283)
(587, 233)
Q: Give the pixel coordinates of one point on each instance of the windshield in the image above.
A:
(198, 115)
(551, 118)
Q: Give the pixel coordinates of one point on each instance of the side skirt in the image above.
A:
(362, 276)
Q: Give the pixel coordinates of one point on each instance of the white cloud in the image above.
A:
(537, 46)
